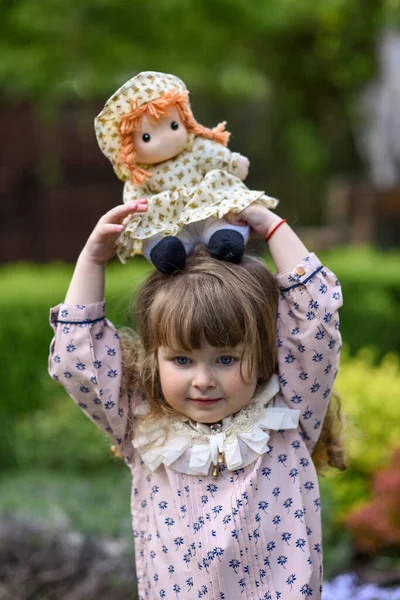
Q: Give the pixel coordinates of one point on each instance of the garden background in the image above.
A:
(308, 91)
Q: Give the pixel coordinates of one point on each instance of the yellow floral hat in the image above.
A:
(144, 87)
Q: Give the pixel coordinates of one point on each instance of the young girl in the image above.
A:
(216, 408)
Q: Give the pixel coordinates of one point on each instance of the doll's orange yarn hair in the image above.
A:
(153, 110)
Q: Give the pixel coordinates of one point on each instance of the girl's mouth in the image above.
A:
(205, 401)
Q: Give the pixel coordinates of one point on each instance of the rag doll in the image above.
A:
(191, 180)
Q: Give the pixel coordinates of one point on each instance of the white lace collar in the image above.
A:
(191, 447)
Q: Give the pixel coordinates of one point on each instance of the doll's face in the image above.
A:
(160, 140)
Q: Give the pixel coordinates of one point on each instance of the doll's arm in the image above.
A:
(215, 156)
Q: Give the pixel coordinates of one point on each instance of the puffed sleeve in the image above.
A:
(213, 155)
(309, 342)
(85, 358)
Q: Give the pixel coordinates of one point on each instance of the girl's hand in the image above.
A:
(260, 219)
(100, 246)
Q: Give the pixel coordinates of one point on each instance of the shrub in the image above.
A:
(376, 524)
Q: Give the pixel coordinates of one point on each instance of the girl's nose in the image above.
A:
(203, 379)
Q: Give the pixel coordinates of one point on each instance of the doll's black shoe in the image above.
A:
(169, 255)
(227, 245)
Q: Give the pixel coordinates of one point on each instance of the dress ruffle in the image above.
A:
(218, 193)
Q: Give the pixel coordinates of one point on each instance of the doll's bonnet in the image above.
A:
(144, 87)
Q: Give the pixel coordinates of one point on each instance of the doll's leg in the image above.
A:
(225, 241)
(168, 253)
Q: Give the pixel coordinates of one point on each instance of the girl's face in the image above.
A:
(206, 385)
(160, 140)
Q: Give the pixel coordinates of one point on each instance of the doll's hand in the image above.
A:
(259, 218)
(100, 246)
(243, 167)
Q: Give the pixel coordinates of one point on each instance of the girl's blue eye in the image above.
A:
(146, 137)
(227, 360)
(182, 360)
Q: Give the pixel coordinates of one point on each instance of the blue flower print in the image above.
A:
(293, 473)
(162, 593)
(242, 584)
(226, 520)
(282, 560)
(80, 365)
(271, 547)
(57, 359)
(109, 404)
(70, 347)
(296, 398)
(307, 414)
(301, 347)
(67, 374)
(295, 444)
(323, 288)
(326, 393)
(218, 552)
(178, 541)
(276, 520)
(204, 499)
(315, 387)
(111, 372)
(111, 351)
(286, 536)
(320, 334)
(317, 357)
(234, 564)
(189, 583)
(289, 358)
(169, 522)
(282, 380)
(64, 312)
(304, 462)
(176, 589)
(266, 471)
(97, 364)
(263, 505)
(318, 549)
(66, 329)
(308, 486)
(299, 514)
(303, 375)
(331, 343)
(282, 458)
(327, 317)
(216, 510)
(275, 492)
(84, 389)
(162, 505)
(306, 591)
(98, 336)
(317, 503)
(171, 570)
(295, 331)
(310, 316)
(235, 534)
(300, 543)
(287, 504)
(211, 488)
(290, 580)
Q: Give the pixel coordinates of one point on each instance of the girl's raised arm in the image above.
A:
(87, 283)
(308, 333)
(85, 353)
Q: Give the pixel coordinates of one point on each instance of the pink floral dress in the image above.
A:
(253, 532)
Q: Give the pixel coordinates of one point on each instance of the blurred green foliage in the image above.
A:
(298, 65)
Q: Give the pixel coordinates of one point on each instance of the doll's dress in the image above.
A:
(198, 183)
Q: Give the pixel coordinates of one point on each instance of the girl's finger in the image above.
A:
(109, 229)
(119, 212)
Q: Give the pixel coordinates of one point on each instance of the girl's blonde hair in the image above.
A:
(220, 304)
(154, 109)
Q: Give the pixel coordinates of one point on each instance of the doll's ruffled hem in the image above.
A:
(130, 242)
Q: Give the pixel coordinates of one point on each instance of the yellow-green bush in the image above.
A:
(371, 405)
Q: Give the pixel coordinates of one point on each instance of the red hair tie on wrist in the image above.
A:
(271, 233)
